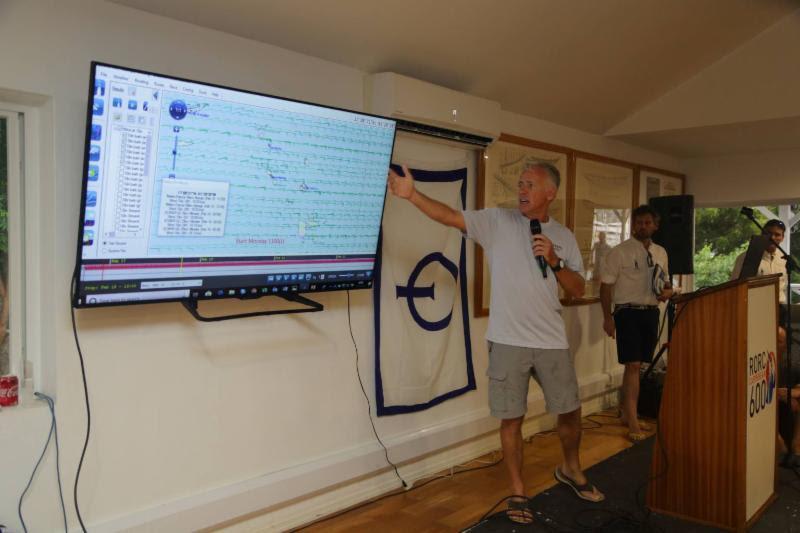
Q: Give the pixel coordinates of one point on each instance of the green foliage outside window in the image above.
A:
(713, 269)
(723, 229)
(721, 234)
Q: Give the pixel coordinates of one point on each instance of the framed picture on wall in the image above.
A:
(654, 182)
(499, 169)
(605, 194)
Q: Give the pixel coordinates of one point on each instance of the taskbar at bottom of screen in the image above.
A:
(213, 294)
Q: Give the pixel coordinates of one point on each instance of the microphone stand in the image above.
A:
(669, 316)
(791, 266)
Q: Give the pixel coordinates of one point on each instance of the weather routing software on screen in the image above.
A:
(199, 191)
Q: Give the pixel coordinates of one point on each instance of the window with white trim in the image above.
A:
(12, 297)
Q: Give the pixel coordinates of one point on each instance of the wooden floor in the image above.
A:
(453, 503)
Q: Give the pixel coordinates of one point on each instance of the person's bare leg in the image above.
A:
(511, 440)
(569, 432)
(630, 396)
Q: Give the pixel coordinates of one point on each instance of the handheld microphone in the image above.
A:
(747, 211)
(536, 229)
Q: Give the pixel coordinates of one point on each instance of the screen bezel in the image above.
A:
(76, 281)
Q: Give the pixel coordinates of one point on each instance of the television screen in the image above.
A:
(197, 191)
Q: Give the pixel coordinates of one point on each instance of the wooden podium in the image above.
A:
(715, 459)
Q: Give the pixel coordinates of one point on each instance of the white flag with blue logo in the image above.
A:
(422, 342)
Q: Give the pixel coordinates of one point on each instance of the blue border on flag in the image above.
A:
(429, 176)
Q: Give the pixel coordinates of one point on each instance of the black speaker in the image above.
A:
(651, 386)
(676, 231)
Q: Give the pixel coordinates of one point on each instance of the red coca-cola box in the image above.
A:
(9, 390)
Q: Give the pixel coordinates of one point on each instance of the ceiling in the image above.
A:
(585, 64)
(749, 137)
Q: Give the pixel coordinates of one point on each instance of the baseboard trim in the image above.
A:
(309, 510)
(302, 493)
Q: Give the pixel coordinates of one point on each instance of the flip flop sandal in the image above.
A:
(519, 510)
(578, 489)
(636, 436)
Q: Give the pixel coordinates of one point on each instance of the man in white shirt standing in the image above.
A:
(526, 333)
(635, 278)
(772, 262)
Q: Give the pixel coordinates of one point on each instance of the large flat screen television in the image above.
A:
(196, 191)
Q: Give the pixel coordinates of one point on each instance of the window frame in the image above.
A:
(27, 160)
(16, 283)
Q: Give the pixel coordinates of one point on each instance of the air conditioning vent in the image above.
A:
(442, 133)
(429, 109)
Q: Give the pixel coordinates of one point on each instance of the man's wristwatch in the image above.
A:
(558, 266)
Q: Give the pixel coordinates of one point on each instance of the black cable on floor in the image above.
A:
(86, 398)
(488, 514)
(617, 520)
(602, 424)
(618, 516)
(539, 519)
(395, 493)
(366, 397)
(426, 482)
(545, 433)
(639, 500)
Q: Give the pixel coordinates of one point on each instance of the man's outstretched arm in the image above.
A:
(403, 187)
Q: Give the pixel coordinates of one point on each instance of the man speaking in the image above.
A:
(526, 333)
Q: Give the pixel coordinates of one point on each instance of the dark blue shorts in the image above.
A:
(637, 334)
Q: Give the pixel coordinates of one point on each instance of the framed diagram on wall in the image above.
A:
(604, 198)
(654, 182)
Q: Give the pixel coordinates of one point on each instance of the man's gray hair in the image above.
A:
(550, 169)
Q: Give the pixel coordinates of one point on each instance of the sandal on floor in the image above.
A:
(519, 510)
(578, 489)
(636, 436)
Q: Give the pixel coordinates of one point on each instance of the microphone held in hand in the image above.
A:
(536, 229)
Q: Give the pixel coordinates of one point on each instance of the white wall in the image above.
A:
(192, 423)
(541, 130)
(764, 178)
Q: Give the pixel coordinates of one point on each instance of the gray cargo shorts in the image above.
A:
(510, 370)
